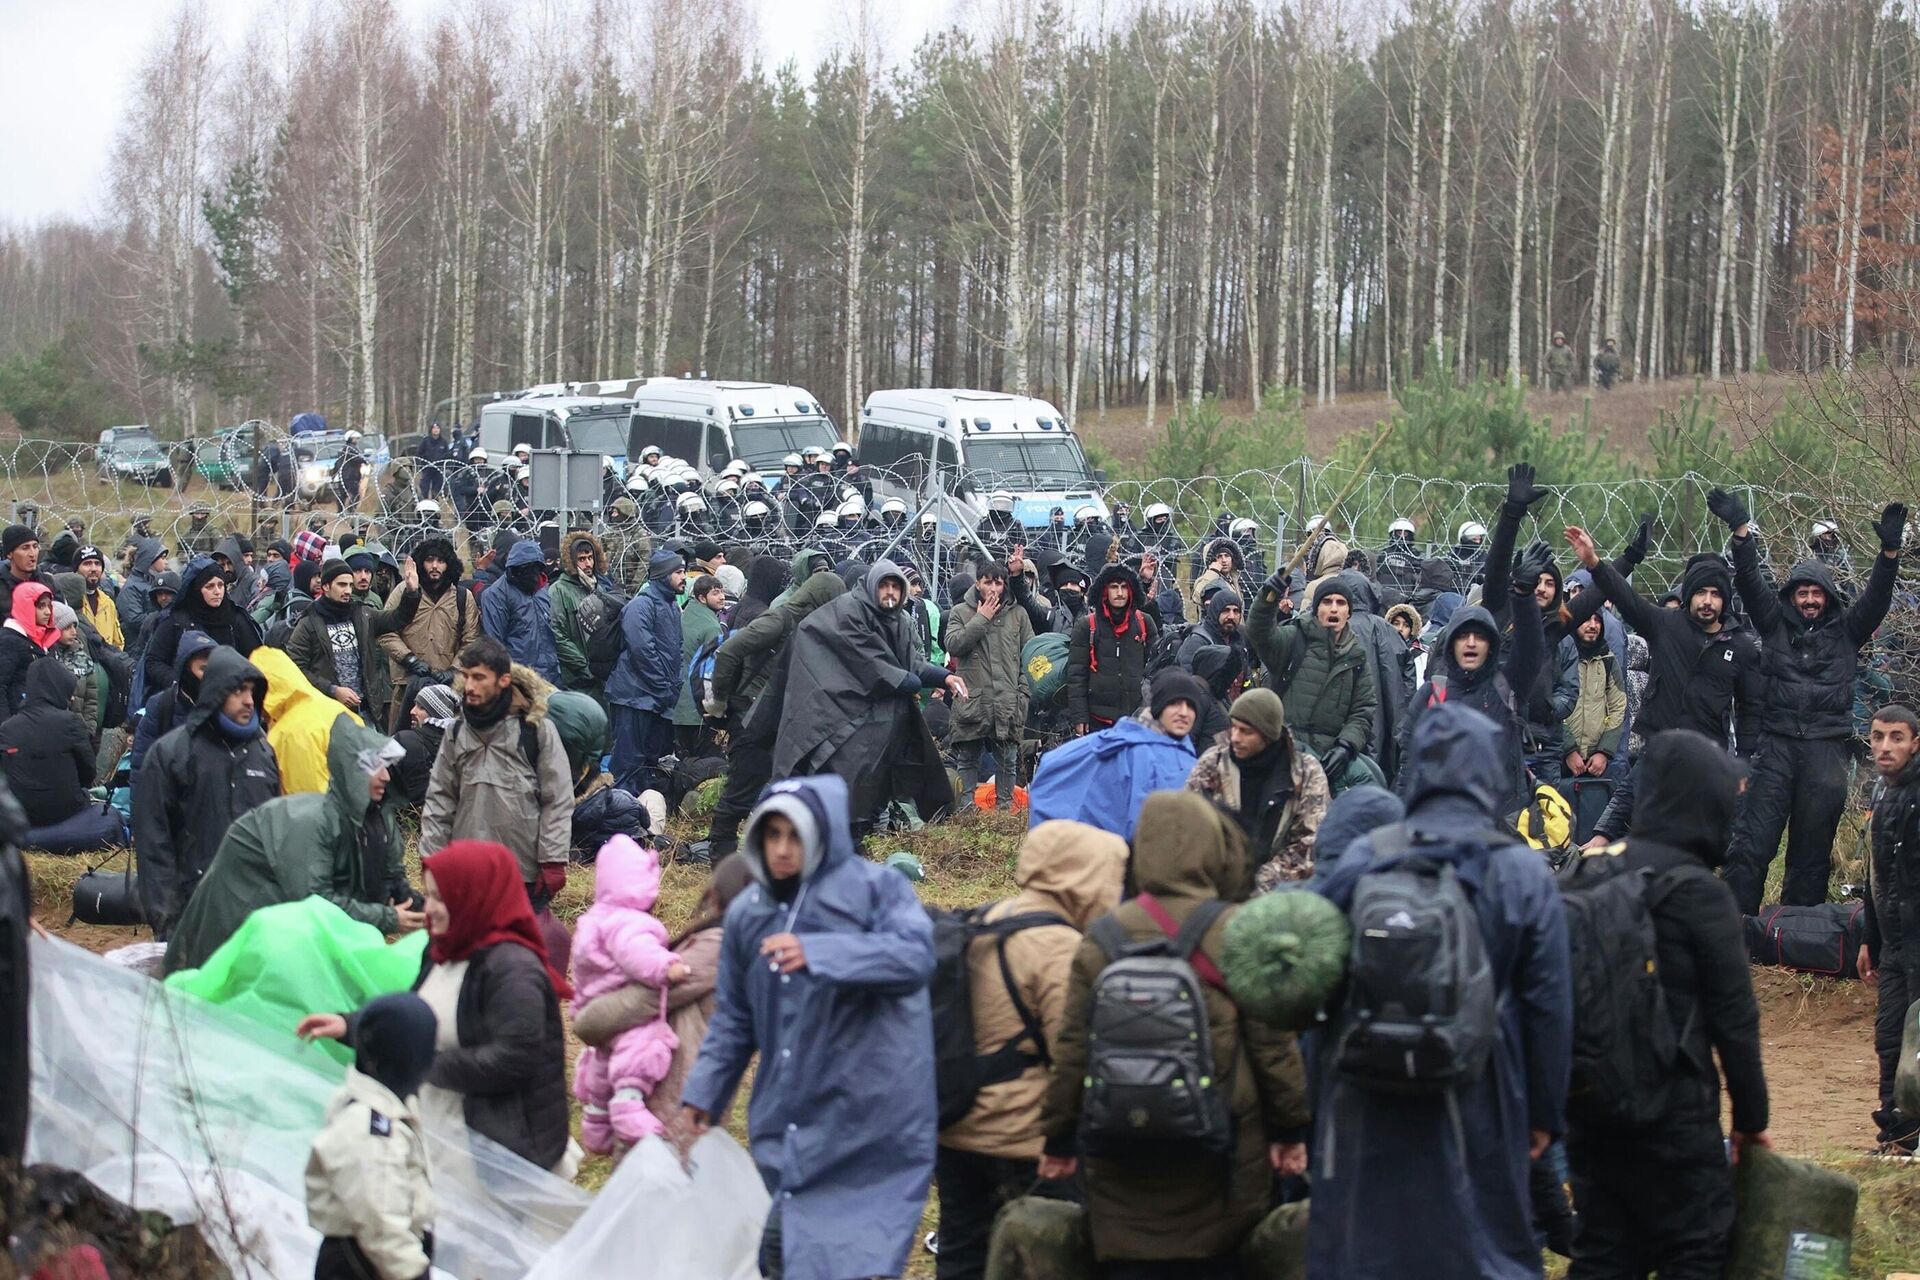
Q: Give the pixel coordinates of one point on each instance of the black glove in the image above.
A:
(1892, 527)
(1521, 490)
(1535, 560)
(1278, 585)
(1335, 762)
(415, 665)
(1636, 552)
(1730, 510)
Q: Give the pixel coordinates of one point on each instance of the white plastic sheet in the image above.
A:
(656, 1221)
(169, 1103)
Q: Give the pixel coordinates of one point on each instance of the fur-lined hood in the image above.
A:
(531, 692)
(583, 535)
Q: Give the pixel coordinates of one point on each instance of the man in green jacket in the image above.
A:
(699, 623)
(1321, 673)
(986, 633)
(586, 574)
(341, 845)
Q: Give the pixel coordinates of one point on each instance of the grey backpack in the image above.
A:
(1421, 1005)
(1151, 1089)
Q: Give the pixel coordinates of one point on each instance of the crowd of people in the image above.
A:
(1189, 731)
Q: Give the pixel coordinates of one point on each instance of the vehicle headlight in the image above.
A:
(313, 473)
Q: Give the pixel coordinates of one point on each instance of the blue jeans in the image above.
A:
(640, 738)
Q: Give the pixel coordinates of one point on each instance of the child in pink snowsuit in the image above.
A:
(617, 944)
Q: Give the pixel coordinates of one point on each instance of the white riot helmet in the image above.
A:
(1157, 510)
(734, 469)
(637, 480)
(606, 465)
(756, 510)
(1243, 528)
(727, 486)
(893, 507)
(477, 454)
(523, 452)
(854, 508)
(1001, 501)
(750, 478)
(690, 504)
(353, 435)
(1402, 525)
(1821, 528)
(1472, 530)
(826, 520)
(928, 520)
(1315, 524)
(1086, 515)
(426, 507)
(812, 454)
(792, 460)
(513, 467)
(652, 453)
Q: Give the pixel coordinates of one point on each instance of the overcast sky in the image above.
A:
(65, 65)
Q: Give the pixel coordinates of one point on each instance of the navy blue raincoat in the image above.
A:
(648, 675)
(1401, 1186)
(521, 620)
(843, 1119)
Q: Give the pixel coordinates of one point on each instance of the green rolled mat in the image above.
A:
(1795, 1220)
(582, 723)
(1277, 1249)
(1285, 954)
(1040, 1239)
(1906, 1077)
(1044, 659)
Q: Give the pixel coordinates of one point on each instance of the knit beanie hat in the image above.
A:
(1261, 711)
(329, 571)
(438, 701)
(1173, 686)
(63, 615)
(16, 536)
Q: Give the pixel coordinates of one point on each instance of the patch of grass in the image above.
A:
(1886, 1229)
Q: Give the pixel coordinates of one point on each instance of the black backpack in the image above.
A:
(1166, 647)
(1151, 1085)
(960, 1070)
(599, 616)
(1422, 1007)
(1624, 1044)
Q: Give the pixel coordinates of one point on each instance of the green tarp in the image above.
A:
(303, 957)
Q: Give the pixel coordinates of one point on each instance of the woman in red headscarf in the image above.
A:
(27, 634)
(499, 1067)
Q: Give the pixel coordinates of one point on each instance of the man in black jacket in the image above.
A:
(1661, 1199)
(1107, 653)
(1890, 957)
(334, 644)
(208, 770)
(1811, 639)
(1705, 664)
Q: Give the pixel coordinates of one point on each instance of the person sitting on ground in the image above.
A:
(1276, 792)
(1661, 1199)
(826, 946)
(71, 651)
(48, 761)
(28, 636)
(369, 1188)
(300, 722)
(499, 1067)
(201, 776)
(690, 1001)
(1179, 1214)
(435, 710)
(1069, 875)
(343, 846)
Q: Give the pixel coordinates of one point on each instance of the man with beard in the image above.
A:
(333, 645)
(517, 611)
(1810, 641)
(847, 701)
(586, 564)
(1705, 666)
(1890, 957)
(21, 547)
(445, 621)
(1069, 597)
(1219, 625)
(1107, 653)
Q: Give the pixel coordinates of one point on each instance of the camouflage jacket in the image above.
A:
(1217, 776)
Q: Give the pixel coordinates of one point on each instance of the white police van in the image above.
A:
(709, 422)
(542, 419)
(977, 443)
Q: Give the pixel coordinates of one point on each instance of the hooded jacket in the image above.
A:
(648, 675)
(1326, 681)
(229, 624)
(45, 749)
(196, 782)
(339, 845)
(483, 786)
(1594, 717)
(842, 1121)
(1065, 869)
(1810, 666)
(441, 626)
(745, 661)
(521, 620)
(1208, 632)
(133, 602)
(1695, 680)
(1450, 1173)
(566, 593)
(300, 722)
(1185, 852)
(1684, 805)
(23, 641)
(1488, 690)
(368, 1180)
(167, 707)
(987, 652)
(767, 577)
(1107, 655)
(619, 943)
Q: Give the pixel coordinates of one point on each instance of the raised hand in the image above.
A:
(1522, 492)
(1582, 544)
(1892, 527)
(1636, 549)
(1730, 510)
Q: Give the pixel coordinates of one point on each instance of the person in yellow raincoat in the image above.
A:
(300, 722)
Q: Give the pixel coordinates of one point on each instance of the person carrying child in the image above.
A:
(617, 944)
(369, 1190)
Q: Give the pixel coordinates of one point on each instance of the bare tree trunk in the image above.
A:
(1732, 83)
(1440, 226)
(1763, 198)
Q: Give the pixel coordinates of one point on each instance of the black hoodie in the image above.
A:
(1810, 666)
(1682, 816)
(1488, 689)
(45, 749)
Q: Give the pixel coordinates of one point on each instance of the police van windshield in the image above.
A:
(1026, 462)
(761, 445)
(601, 431)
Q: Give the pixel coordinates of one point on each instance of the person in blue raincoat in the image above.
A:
(823, 971)
(1453, 1185)
(517, 611)
(1104, 777)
